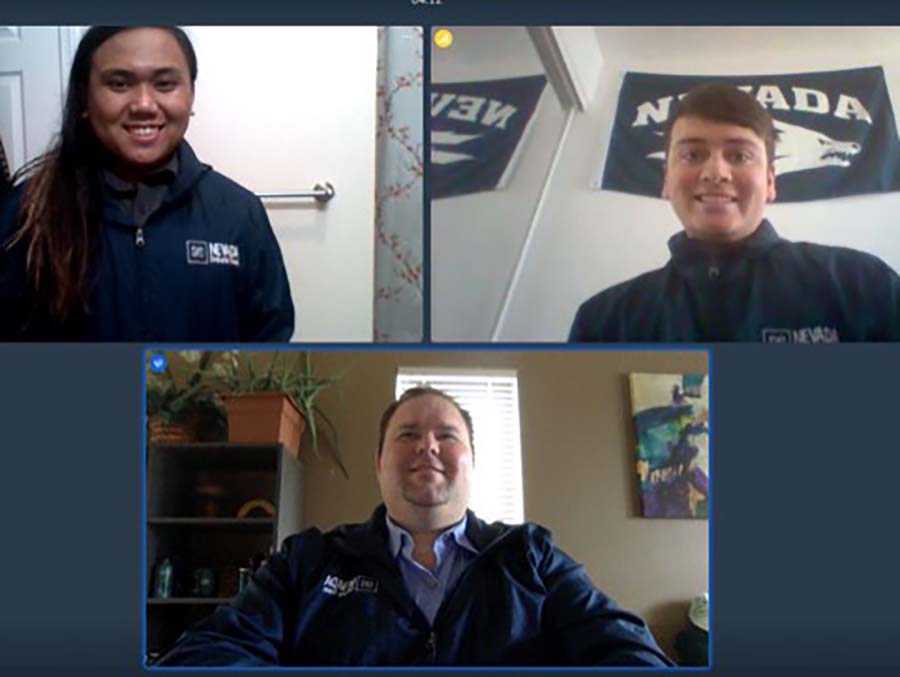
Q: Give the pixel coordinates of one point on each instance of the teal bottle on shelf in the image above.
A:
(163, 585)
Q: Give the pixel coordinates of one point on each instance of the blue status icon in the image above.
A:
(158, 364)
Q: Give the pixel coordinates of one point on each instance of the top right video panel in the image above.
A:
(664, 184)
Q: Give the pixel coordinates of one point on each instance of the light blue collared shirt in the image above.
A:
(452, 550)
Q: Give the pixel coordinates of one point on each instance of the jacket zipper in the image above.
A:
(139, 238)
(431, 645)
(431, 642)
(717, 290)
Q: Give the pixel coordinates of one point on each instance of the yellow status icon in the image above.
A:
(443, 38)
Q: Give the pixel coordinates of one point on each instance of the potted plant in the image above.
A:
(277, 402)
(181, 406)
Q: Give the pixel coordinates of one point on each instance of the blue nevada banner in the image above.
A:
(475, 130)
(836, 131)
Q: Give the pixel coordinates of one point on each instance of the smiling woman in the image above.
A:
(118, 232)
(140, 94)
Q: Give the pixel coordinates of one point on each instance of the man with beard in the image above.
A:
(424, 581)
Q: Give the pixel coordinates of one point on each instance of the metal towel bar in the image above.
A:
(321, 193)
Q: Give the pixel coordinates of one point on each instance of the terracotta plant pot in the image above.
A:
(265, 418)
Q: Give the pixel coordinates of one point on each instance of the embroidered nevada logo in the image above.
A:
(476, 128)
(340, 588)
(197, 252)
(203, 253)
(836, 131)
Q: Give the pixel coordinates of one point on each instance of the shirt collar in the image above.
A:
(164, 175)
(398, 537)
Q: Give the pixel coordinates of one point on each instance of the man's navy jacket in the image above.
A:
(205, 267)
(338, 598)
(765, 289)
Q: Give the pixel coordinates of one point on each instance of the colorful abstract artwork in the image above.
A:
(671, 417)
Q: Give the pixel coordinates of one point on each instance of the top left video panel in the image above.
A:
(211, 184)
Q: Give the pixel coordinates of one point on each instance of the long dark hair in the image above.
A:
(60, 215)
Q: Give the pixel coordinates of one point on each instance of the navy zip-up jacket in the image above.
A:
(204, 267)
(765, 289)
(338, 598)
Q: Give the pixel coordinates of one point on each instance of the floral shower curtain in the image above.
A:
(398, 194)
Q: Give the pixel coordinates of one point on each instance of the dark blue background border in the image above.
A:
(646, 12)
(806, 440)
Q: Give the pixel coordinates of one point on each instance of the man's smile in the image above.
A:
(426, 468)
(715, 198)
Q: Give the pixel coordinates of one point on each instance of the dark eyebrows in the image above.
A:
(449, 428)
(116, 73)
(743, 142)
(689, 140)
(442, 428)
(168, 71)
(696, 140)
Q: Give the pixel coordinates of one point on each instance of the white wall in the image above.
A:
(586, 240)
(476, 240)
(280, 109)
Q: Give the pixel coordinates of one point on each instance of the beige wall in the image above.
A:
(578, 463)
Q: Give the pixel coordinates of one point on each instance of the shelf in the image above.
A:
(194, 492)
(231, 522)
(184, 601)
(218, 447)
(221, 456)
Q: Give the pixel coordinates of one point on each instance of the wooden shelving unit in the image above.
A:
(194, 493)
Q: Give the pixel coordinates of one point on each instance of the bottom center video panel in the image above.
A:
(442, 508)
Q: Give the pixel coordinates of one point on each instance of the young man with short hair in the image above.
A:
(731, 277)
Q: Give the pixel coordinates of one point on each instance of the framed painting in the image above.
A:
(671, 418)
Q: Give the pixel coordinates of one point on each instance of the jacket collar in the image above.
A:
(165, 175)
(400, 539)
(370, 542)
(371, 537)
(190, 171)
(686, 250)
(482, 534)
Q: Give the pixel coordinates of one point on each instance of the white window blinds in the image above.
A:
(492, 398)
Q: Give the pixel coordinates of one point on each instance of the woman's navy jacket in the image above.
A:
(338, 598)
(205, 267)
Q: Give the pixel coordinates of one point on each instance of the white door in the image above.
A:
(278, 109)
(31, 89)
